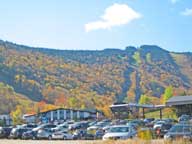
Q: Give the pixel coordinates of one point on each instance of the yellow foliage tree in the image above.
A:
(17, 115)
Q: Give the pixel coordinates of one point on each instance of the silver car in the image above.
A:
(44, 134)
(120, 132)
(62, 135)
(61, 127)
(183, 131)
(98, 126)
(158, 124)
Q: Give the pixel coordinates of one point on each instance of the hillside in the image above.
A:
(90, 79)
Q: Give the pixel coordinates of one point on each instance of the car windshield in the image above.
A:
(160, 122)
(101, 124)
(40, 126)
(166, 126)
(61, 126)
(119, 129)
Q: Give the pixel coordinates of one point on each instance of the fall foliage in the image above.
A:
(34, 79)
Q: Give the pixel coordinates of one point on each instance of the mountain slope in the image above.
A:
(93, 79)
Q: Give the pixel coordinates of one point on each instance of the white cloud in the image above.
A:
(187, 12)
(115, 15)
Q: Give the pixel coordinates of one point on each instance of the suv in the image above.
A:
(5, 132)
(32, 134)
(184, 118)
(44, 134)
(183, 131)
(16, 133)
(162, 130)
(120, 132)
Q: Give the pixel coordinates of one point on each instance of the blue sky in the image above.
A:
(97, 24)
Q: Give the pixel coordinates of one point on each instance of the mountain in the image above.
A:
(89, 79)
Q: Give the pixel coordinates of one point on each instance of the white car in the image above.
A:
(61, 127)
(62, 135)
(158, 124)
(98, 125)
(120, 132)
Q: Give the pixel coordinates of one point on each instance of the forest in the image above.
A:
(38, 79)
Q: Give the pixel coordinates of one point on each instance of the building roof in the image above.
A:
(93, 111)
(125, 106)
(179, 100)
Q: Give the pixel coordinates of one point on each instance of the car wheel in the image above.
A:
(64, 137)
(49, 137)
(22, 137)
(33, 138)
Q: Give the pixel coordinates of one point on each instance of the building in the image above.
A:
(122, 110)
(62, 114)
(183, 104)
(6, 119)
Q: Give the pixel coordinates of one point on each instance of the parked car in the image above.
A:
(62, 135)
(5, 132)
(148, 120)
(44, 134)
(183, 131)
(29, 135)
(153, 122)
(32, 134)
(61, 127)
(29, 126)
(44, 126)
(16, 133)
(106, 128)
(83, 134)
(120, 132)
(92, 123)
(98, 125)
(158, 124)
(170, 120)
(162, 130)
(78, 125)
(88, 136)
(99, 134)
(184, 118)
(136, 123)
(120, 122)
(106, 120)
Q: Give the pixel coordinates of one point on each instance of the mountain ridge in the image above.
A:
(90, 50)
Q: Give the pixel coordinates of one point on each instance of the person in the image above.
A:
(158, 132)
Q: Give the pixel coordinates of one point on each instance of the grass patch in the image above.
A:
(166, 113)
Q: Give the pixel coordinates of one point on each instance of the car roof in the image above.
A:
(121, 126)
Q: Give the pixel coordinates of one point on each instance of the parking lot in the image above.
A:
(5, 141)
(104, 131)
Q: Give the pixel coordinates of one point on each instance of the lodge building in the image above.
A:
(182, 104)
(62, 114)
